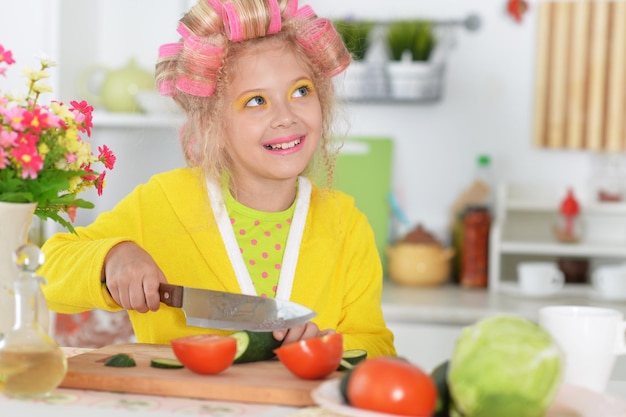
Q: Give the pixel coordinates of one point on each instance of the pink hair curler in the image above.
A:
(199, 46)
(318, 37)
(275, 23)
(169, 50)
(232, 24)
(166, 88)
(183, 31)
(195, 87)
(216, 5)
(292, 8)
(305, 12)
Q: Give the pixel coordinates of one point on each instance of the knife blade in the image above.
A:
(230, 311)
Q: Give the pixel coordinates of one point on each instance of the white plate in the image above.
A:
(571, 401)
(328, 396)
(581, 402)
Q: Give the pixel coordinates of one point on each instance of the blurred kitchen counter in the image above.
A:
(426, 321)
(453, 305)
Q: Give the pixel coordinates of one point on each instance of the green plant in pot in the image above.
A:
(356, 36)
(410, 44)
(413, 38)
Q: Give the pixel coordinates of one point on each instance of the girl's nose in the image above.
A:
(283, 115)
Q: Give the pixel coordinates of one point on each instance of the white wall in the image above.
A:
(486, 107)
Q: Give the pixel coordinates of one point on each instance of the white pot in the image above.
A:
(353, 84)
(414, 80)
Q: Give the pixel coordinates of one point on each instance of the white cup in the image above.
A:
(610, 282)
(539, 278)
(591, 339)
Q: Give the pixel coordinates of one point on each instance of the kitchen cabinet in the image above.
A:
(424, 344)
(525, 215)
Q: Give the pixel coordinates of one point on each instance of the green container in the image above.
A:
(363, 170)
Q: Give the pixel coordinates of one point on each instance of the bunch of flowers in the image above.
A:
(43, 157)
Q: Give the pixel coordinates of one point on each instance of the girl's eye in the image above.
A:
(255, 101)
(302, 91)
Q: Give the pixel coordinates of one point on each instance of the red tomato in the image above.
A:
(205, 353)
(392, 385)
(312, 358)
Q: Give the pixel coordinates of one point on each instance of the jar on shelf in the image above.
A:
(31, 363)
(475, 251)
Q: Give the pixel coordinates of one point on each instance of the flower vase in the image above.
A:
(15, 221)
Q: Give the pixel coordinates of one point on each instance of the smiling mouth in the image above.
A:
(284, 145)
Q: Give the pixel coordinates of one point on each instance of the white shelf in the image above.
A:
(137, 120)
(559, 249)
(552, 207)
(526, 214)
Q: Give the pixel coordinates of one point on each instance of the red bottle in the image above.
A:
(568, 229)
(475, 254)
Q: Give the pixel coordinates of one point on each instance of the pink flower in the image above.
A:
(71, 213)
(106, 156)
(36, 120)
(7, 138)
(29, 161)
(83, 113)
(6, 56)
(27, 140)
(89, 177)
(14, 117)
(4, 158)
(100, 182)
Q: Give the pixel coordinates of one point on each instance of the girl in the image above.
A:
(255, 80)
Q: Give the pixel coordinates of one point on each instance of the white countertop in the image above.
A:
(456, 306)
(445, 305)
(452, 304)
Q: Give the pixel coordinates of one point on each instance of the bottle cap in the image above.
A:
(483, 160)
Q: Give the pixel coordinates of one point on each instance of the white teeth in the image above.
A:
(287, 145)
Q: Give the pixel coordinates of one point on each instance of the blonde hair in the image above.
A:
(196, 70)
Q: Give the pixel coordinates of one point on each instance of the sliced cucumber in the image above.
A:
(254, 346)
(351, 357)
(343, 386)
(165, 363)
(121, 360)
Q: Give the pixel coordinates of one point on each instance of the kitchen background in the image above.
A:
(486, 106)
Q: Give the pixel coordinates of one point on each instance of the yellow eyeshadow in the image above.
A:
(303, 83)
(243, 100)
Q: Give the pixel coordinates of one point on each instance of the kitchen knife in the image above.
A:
(230, 311)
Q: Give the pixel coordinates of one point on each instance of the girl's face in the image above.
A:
(272, 114)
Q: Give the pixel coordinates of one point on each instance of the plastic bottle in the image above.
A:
(470, 235)
(484, 178)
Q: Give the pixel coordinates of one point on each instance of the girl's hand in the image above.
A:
(304, 331)
(132, 277)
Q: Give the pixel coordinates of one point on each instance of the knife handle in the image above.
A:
(171, 295)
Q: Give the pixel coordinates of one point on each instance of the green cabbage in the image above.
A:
(504, 366)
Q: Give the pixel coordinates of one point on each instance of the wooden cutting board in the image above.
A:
(266, 382)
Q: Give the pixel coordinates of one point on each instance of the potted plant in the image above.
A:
(411, 40)
(411, 45)
(357, 37)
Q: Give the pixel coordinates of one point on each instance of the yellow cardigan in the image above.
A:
(338, 272)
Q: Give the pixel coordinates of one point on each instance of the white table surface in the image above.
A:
(445, 305)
